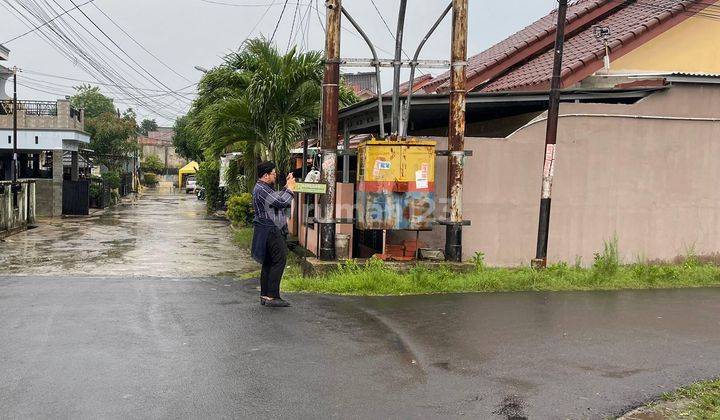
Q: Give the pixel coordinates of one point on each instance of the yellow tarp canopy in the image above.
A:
(189, 169)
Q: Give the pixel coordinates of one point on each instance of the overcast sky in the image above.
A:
(188, 33)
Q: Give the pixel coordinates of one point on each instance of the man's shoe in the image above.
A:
(277, 303)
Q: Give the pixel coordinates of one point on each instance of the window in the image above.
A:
(9, 139)
(36, 139)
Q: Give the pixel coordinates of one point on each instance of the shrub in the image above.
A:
(152, 164)
(150, 179)
(608, 262)
(111, 179)
(240, 209)
(96, 191)
(208, 177)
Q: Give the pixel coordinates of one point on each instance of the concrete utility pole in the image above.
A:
(456, 131)
(331, 104)
(540, 260)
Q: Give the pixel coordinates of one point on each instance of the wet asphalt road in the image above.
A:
(151, 342)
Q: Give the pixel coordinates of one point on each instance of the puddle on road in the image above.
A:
(158, 235)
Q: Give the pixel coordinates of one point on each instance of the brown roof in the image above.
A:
(162, 133)
(418, 83)
(524, 60)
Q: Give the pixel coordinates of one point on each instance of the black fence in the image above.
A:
(126, 184)
(100, 195)
(76, 198)
(30, 107)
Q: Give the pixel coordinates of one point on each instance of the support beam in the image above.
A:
(395, 123)
(74, 166)
(456, 132)
(331, 103)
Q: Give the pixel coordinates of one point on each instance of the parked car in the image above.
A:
(191, 184)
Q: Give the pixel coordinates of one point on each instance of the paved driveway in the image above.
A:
(150, 340)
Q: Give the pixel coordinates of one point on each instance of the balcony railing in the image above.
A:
(38, 108)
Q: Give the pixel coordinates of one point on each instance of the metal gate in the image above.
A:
(76, 198)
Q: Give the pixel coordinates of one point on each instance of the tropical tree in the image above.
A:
(186, 141)
(257, 102)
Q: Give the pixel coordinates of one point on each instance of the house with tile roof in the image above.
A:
(637, 152)
(642, 36)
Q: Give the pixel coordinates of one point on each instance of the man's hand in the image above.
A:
(290, 185)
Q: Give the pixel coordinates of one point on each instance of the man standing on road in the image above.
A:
(270, 232)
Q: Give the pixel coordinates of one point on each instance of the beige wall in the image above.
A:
(343, 210)
(173, 160)
(651, 181)
(63, 120)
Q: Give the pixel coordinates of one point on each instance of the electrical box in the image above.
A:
(396, 185)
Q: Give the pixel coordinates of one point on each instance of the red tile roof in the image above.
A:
(418, 84)
(524, 60)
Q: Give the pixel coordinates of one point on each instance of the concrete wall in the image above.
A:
(49, 191)
(343, 210)
(14, 218)
(645, 172)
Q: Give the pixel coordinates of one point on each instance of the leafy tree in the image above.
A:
(92, 101)
(111, 179)
(186, 140)
(146, 126)
(152, 164)
(112, 137)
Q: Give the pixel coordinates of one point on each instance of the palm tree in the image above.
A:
(258, 101)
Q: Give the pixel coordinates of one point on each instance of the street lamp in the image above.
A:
(202, 69)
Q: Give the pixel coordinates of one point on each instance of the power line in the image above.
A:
(46, 23)
(139, 44)
(101, 83)
(222, 3)
(282, 12)
(65, 50)
(292, 28)
(120, 48)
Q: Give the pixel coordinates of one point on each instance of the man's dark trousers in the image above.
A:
(274, 264)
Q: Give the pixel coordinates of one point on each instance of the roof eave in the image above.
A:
(4, 53)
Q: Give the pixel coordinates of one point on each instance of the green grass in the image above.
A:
(375, 278)
(243, 237)
(704, 400)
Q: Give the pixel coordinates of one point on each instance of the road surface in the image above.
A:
(133, 333)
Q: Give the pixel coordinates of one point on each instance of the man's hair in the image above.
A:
(265, 168)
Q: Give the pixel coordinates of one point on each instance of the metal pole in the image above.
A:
(413, 66)
(397, 64)
(14, 168)
(376, 63)
(331, 87)
(346, 156)
(456, 131)
(540, 260)
(302, 203)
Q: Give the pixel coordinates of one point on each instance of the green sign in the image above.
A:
(311, 187)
